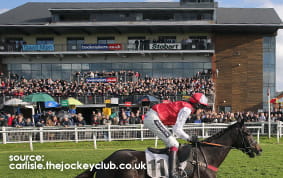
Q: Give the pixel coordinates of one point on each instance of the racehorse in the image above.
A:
(201, 159)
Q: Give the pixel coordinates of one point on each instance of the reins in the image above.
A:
(205, 164)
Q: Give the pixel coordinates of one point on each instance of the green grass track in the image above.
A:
(236, 165)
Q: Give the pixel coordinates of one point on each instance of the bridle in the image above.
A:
(245, 148)
(243, 143)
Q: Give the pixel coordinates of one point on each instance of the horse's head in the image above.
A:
(246, 142)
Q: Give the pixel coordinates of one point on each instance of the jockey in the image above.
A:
(175, 114)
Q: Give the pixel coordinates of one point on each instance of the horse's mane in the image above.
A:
(218, 134)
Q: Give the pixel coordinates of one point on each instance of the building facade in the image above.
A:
(164, 39)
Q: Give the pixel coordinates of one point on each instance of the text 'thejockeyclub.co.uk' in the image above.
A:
(33, 162)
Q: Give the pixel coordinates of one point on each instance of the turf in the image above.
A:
(236, 165)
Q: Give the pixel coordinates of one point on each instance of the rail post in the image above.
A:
(30, 142)
(41, 134)
(141, 132)
(258, 130)
(76, 134)
(202, 127)
(109, 133)
(262, 128)
(4, 135)
(94, 140)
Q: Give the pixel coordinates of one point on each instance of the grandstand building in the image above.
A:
(156, 39)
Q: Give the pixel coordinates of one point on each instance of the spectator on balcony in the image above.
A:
(55, 120)
(11, 117)
(198, 119)
(262, 117)
(66, 122)
(80, 122)
(106, 120)
(94, 120)
(29, 123)
(49, 123)
(19, 121)
(3, 120)
(124, 118)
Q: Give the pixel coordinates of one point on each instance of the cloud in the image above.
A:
(3, 10)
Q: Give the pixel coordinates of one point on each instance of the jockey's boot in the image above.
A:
(172, 162)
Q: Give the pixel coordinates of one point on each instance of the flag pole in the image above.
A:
(269, 119)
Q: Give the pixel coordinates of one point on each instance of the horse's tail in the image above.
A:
(87, 174)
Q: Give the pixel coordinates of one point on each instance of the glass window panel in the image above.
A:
(106, 40)
(117, 66)
(26, 74)
(146, 72)
(178, 65)
(85, 66)
(56, 67)
(35, 66)
(147, 65)
(197, 65)
(36, 74)
(46, 67)
(167, 65)
(9, 66)
(156, 66)
(66, 67)
(95, 67)
(128, 66)
(77, 67)
(137, 66)
(156, 74)
(46, 74)
(26, 66)
(187, 65)
(66, 75)
(105, 67)
(177, 73)
(56, 75)
(43, 41)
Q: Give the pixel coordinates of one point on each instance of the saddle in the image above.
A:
(183, 155)
(184, 151)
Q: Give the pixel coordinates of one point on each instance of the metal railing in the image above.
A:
(115, 132)
(141, 46)
(98, 99)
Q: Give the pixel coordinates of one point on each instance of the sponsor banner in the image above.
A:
(165, 46)
(94, 47)
(102, 80)
(46, 47)
(101, 47)
(115, 46)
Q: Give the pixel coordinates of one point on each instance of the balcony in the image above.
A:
(135, 46)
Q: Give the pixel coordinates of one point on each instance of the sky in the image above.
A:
(276, 4)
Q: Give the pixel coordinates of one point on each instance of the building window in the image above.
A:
(167, 39)
(14, 44)
(106, 40)
(44, 41)
(158, 16)
(269, 69)
(74, 44)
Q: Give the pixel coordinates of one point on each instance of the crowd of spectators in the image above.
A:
(125, 117)
(159, 87)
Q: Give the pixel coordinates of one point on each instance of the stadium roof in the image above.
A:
(38, 15)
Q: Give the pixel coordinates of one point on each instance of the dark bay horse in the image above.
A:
(200, 160)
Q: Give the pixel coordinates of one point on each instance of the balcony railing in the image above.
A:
(140, 45)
